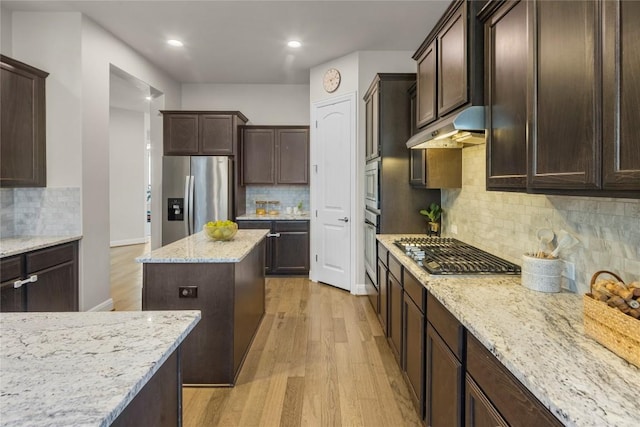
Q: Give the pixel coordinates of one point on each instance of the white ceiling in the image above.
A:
(245, 41)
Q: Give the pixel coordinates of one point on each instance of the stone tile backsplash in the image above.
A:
(506, 223)
(287, 195)
(40, 212)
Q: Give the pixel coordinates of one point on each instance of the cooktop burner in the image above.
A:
(445, 255)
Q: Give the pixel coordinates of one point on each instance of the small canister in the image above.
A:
(261, 207)
(273, 206)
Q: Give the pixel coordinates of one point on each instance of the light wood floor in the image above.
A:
(319, 359)
(126, 277)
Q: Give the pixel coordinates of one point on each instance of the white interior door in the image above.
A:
(332, 186)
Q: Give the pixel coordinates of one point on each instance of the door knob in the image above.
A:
(345, 219)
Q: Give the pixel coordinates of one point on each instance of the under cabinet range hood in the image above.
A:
(466, 127)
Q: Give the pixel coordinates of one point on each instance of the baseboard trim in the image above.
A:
(359, 289)
(103, 306)
(128, 242)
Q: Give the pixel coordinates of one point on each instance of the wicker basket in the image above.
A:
(611, 327)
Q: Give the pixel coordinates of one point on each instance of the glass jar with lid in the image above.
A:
(261, 207)
(273, 207)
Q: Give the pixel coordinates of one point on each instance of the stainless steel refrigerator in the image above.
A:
(195, 190)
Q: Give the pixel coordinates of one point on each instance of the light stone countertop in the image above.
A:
(281, 217)
(540, 339)
(82, 369)
(198, 248)
(16, 245)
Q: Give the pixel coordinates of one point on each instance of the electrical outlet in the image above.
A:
(188, 292)
(454, 229)
(569, 270)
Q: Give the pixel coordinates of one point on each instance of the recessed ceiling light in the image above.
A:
(294, 43)
(148, 98)
(176, 43)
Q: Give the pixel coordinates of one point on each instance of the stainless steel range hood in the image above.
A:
(466, 127)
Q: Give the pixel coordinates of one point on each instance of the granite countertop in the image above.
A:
(82, 369)
(540, 339)
(198, 248)
(281, 217)
(16, 245)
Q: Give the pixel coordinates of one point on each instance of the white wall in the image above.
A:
(78, 55)
(5, 31)
(127, 154)
(357, 71)
(51, 41)
(263, 104)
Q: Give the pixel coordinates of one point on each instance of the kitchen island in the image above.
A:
(225, 280)
(92, 369)
(539, 338)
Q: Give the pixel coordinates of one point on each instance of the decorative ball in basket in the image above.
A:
(612, 315)
(220, 230)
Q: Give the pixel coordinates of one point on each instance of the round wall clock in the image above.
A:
(331, 80)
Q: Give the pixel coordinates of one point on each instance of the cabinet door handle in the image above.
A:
(18, 283)
(345, 219)
(273, 235)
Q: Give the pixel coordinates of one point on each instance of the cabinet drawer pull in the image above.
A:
(18, 283)
(273, 235)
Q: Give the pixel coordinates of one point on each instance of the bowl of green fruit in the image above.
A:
(220, 230)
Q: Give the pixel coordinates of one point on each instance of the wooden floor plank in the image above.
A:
(319, 358)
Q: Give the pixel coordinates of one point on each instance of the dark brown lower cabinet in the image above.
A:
(383, 284)
(444, 381)
(55, 285)
(512, 400)
(287, 246)
(480, 412)
(395, 316)
(414, 322)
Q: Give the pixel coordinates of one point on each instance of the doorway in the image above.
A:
(130, 162)
(333, 186)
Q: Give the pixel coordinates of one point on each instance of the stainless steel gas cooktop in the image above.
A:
(444, 255)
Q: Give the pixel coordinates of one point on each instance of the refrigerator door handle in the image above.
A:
(191, 193)
(187, 211)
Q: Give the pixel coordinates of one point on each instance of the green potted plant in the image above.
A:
(433, 214)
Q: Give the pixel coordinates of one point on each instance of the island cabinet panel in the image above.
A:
(510, 398)
(565, 147)
(208, 350)
(231, 299)
(23, 125)
(159, 403)
(479, 411)
(621, 95)
(506, 48)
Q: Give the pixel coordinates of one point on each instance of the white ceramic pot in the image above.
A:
(541, 274)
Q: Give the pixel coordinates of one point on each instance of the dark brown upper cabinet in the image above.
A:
(23, 125)
(565, 144)
(450, 64)
(372, 107)
(572, 127)
(209, 133)
(621, 96)
(426, 108)
(275, 155)
(506, 49)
